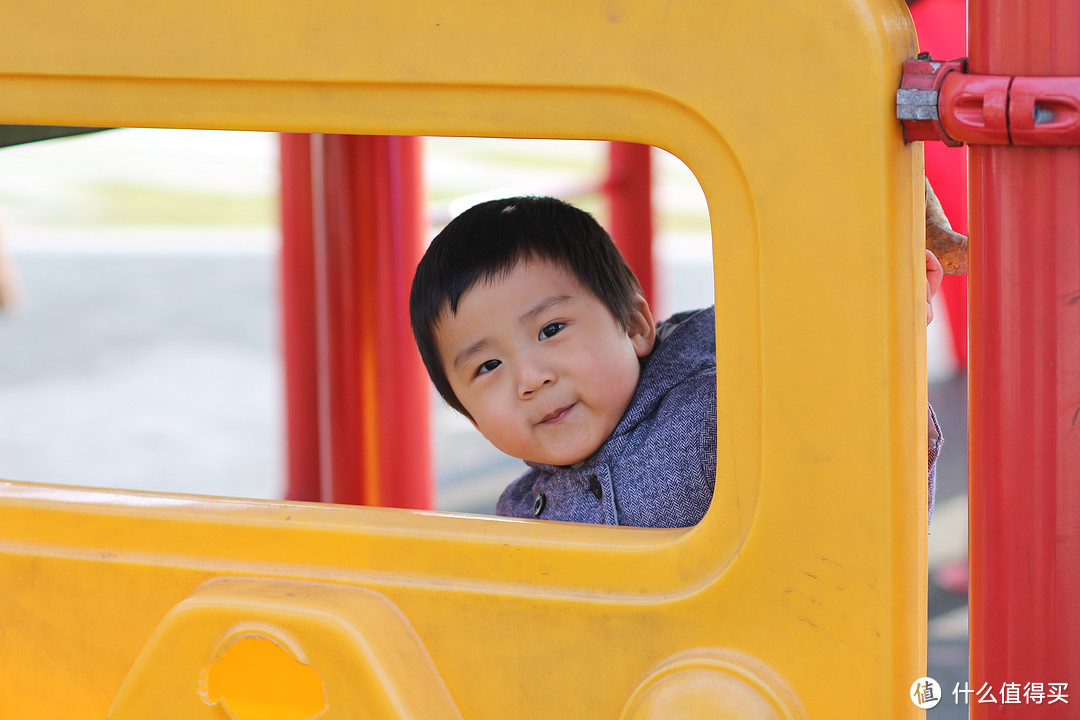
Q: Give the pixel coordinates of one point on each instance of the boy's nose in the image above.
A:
(531, 377)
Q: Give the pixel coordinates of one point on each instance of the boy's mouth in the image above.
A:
(556, 415)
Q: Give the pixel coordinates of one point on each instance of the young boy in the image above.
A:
(531, 325)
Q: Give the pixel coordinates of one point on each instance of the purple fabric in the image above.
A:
(932, 456)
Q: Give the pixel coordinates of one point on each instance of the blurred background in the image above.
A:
(140, 345)
(143, 349)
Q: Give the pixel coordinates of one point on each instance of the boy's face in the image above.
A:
(541, 364)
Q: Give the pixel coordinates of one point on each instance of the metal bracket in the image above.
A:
(917, 100)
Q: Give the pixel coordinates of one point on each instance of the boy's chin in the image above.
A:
(565, 459)
(562, 454)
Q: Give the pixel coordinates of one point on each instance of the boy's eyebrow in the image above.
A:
(543, 306)
(468, 352)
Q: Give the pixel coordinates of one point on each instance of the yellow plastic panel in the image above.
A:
(809, 564)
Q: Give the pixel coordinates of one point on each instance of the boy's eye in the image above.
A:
(551, 329)
(488, 366)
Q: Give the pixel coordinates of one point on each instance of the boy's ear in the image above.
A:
(642, 330)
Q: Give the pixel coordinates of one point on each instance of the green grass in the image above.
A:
(118, 203)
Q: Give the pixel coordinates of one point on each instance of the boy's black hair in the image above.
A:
(488, 240)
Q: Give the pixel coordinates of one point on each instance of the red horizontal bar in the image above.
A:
(974, 108)
(1045, 111)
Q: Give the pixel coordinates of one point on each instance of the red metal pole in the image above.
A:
(1025, 380)
(373, 400)
(340, 390)
(629, 192)
(391, 207)
(298, 320)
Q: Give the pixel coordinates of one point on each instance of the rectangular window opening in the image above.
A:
(142, 336)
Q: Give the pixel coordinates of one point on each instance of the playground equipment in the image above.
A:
(802, 592)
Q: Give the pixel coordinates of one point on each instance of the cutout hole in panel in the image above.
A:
(257, 679)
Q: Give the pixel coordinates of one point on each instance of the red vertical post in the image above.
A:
(629, 192)
(373, 399)
(391, 201)
(371, 410)
(297, 288)
(1025, 378)
(343, 446)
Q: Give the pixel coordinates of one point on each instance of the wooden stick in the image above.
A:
(949, 246)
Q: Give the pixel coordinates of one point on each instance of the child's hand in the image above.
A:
(934, 273)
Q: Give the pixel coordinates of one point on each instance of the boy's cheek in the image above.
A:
(490, 422)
